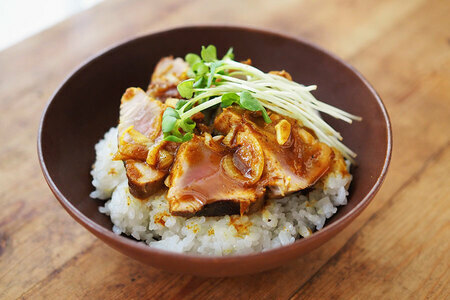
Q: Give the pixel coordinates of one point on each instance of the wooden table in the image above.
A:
(397, 248)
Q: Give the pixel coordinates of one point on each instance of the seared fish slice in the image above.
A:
(168, 73)
(199, 185)
(294, 160)
(139, 126)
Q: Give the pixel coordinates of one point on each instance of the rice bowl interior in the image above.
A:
(151, 214)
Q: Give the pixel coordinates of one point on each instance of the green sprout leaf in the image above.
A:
(190, 73)
(251, 103)
(200, 68)
(266, 116)
(212, 72)
(171, 112)
(169, 120)
(180, 104)
(172, 138)
(228, 99)
(168, 124)
(192, 59)
(229, 54)
(199, 82)
(209, 54)
(187, 137)
(185, 88)
(187, 125)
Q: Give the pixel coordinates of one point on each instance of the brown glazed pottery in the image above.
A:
(87, 104)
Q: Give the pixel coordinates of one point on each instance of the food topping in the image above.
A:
(223, 136)
(283, 130)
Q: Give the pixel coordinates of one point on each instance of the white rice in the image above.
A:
(280, 223)
(107, 174)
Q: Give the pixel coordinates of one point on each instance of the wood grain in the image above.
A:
(397, 248)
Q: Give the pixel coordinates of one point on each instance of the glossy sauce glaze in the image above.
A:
(298, 163)
(198, 178)
(234, 172)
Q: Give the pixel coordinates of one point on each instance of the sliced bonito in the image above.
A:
(139, 124)
(139, 127)
(168, 73)
(293, 158)
(198, 184)
(143, 180)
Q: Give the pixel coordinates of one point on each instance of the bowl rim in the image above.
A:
(123, 241)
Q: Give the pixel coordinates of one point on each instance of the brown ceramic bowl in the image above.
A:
(87, 105)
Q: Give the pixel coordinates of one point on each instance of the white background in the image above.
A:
(20, 19)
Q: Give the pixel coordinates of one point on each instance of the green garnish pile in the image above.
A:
(214, 81)
(204, 72)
